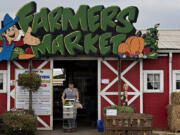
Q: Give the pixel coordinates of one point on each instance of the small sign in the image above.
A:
(111, 112)
(12, 82)
(105, 81)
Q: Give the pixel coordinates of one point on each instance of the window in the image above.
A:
(2, 81)
(153, 81)
(176, 80)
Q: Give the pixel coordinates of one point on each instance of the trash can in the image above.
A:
(100, 125)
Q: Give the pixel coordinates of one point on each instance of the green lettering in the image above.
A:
(108, 16)
(44, 47)
(93, 18)
(75, 19)
(116, 40)
(54, 19)
(25, 15)
(71, 42)
(40, 21)
(58, 45)
(89, 42)
(127, 26)
(103, 42)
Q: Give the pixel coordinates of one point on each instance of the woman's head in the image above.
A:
(71, 85)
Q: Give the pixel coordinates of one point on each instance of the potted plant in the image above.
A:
(31, 82)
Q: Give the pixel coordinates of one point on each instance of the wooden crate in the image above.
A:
(128, 124)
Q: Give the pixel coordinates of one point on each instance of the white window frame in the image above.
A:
(174, 80)
(161, 72)
(4, 72)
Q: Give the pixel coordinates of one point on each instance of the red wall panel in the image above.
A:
(132, 76)
(3, 102)
(155, 103)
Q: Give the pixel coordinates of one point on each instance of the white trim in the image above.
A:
(12, 93)
(170, 75)
(110, 67)
(174, 80)
(129, 68)
(130, 85)
(75, 58)
(18, 65)
(116, 93)
(141, 86)
(99, 88)
(51, 116)
(110, 84)
(8, 85)
(161, 72)
(108, 100)
(136, 92)
(4, 90)
(132, 99)
(42, 64)
(42, 122)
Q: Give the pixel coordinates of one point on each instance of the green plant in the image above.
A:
(120, 109)
(31, 82)
(19, 122)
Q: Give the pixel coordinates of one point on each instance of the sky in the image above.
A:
(165, 12)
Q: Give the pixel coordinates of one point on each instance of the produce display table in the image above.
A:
(128, 124)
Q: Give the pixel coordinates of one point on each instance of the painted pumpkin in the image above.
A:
(123, 48)
(136, 44)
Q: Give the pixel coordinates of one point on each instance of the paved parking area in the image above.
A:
(82, 131)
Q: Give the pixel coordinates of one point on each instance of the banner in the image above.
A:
(90, 31)
(42, 99)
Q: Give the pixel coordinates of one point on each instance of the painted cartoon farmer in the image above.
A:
(15, 39)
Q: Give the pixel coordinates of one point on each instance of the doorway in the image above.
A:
(84, 75)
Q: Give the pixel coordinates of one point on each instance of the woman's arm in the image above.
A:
(77, 95)
(62, 97)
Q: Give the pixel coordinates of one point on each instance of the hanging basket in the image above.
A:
(30, 81)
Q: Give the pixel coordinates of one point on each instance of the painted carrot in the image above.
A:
(26, 56)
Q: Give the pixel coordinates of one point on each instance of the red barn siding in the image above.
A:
(176, 62)
(3, 102)
(155, 103)
(3, 96)
(132, 76)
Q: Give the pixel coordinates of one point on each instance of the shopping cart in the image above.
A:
(69, 114)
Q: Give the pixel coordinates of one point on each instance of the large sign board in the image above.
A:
(91, 31)
(42, 99)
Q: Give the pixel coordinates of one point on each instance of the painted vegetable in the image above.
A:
(123, 48)
(136, 44)
(26, 56)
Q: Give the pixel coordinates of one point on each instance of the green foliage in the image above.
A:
(120, 109)
(16, 52)
(19, 122)
(30, 81)
(151, 41)
(1, 38)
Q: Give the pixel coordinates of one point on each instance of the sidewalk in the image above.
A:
(81, 131)
(89, 131)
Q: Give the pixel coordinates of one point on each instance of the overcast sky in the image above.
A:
(165, 12)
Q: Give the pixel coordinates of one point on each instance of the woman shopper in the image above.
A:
(70, 93)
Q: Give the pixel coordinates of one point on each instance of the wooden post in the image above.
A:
(30, 91)
(119, 81)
